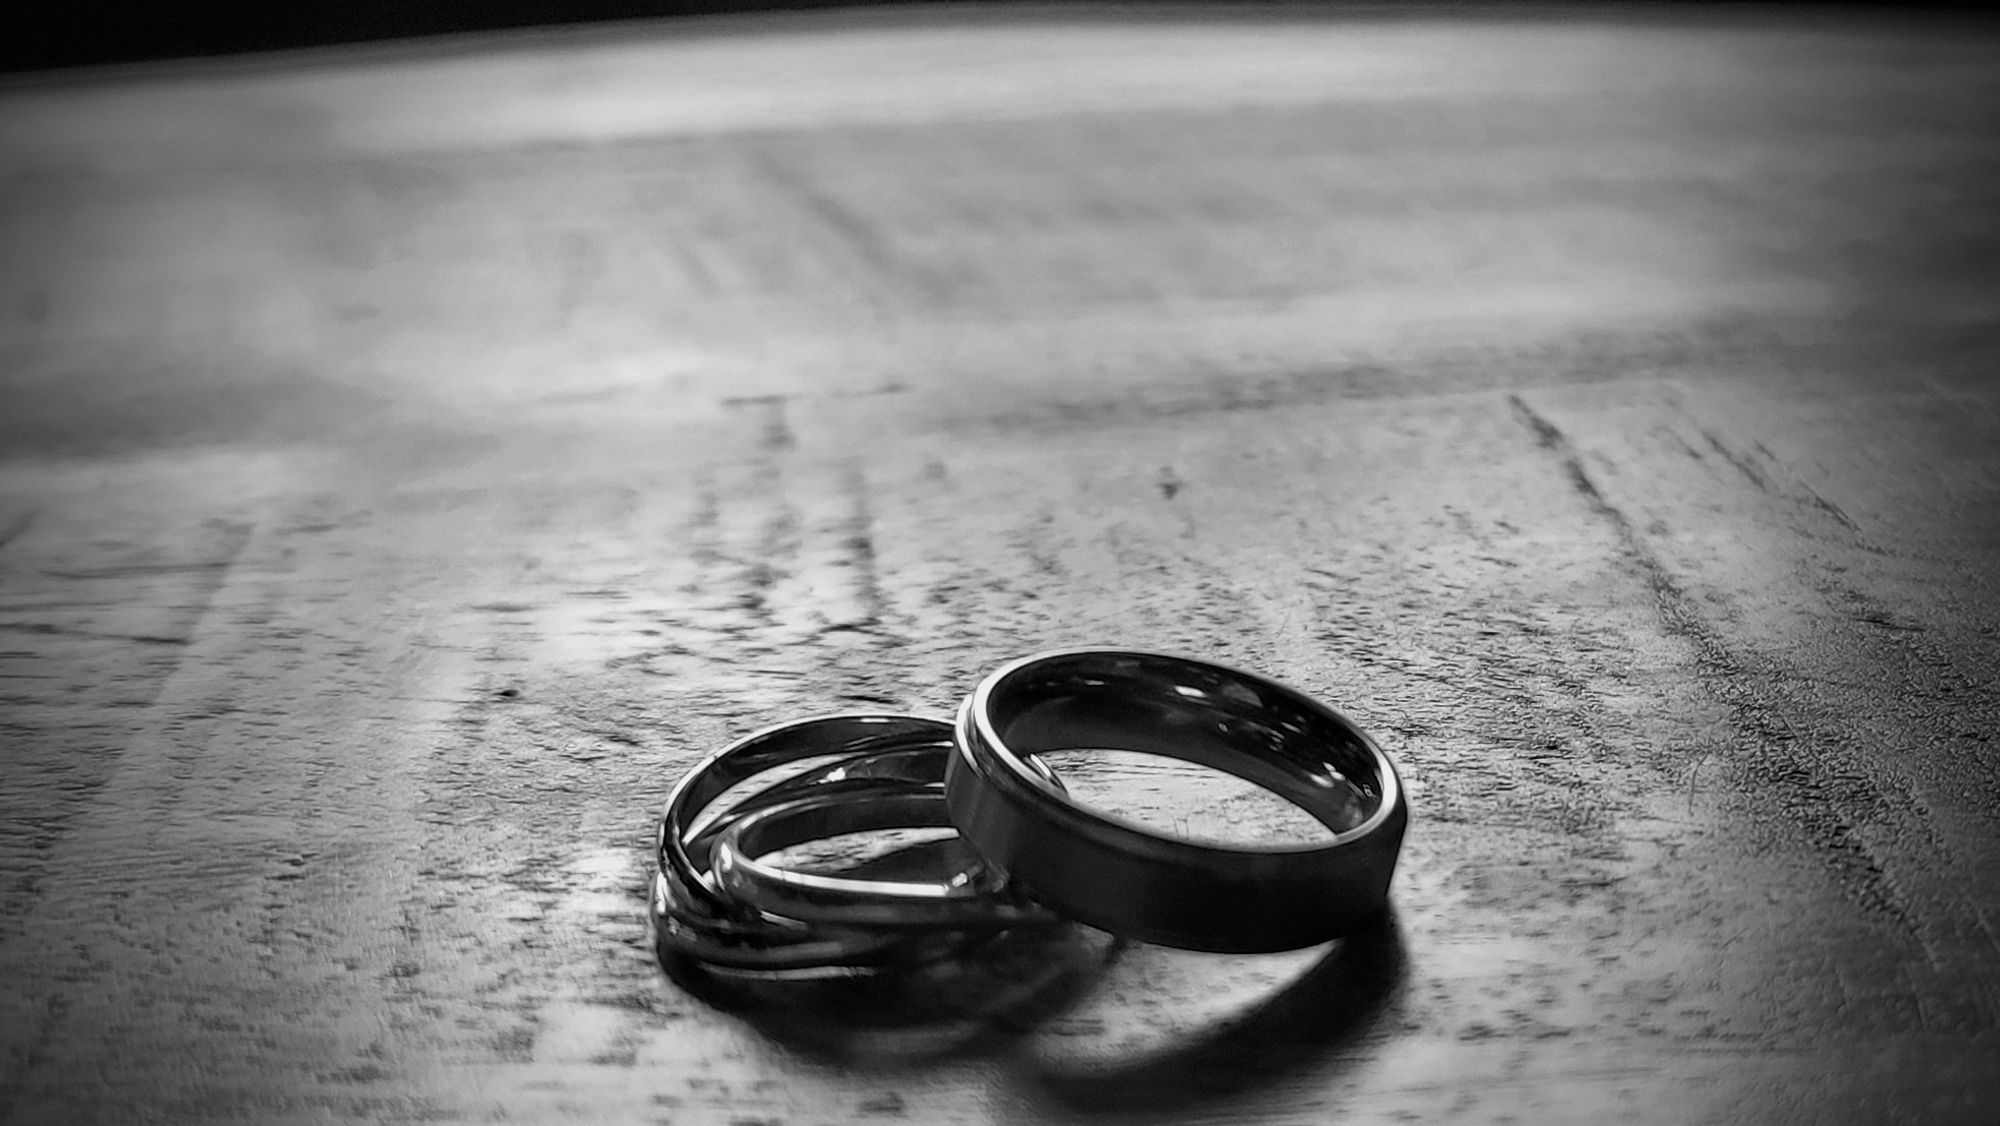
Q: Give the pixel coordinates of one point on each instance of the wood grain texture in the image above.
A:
(414, 459)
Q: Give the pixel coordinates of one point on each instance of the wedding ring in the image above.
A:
(1135, 881)
(693, 918)
(973, 897)
(683, 928)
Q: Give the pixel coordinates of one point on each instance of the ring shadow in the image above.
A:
(1000, 986)
(1333, 1005)
(905, 1015)
(993, 986)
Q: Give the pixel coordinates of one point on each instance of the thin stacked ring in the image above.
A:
(1038, 854)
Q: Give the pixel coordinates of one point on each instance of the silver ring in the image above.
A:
(1133, 881)
(974, 897)
(693, 918)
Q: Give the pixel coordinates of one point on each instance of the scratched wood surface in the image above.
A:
(413, 458)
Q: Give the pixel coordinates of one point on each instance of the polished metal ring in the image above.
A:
(1136, 882)
(694, 918)
(685, 929)
(975, 896)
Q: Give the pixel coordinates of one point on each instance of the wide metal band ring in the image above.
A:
(1134, 881)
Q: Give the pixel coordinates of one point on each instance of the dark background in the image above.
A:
(111, 31)
(46, 35)
(40, 36)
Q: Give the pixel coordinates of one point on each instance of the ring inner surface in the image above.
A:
(1200, 714)
(887, 745)
(807, 821)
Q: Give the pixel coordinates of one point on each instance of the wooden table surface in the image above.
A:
(412, 458)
